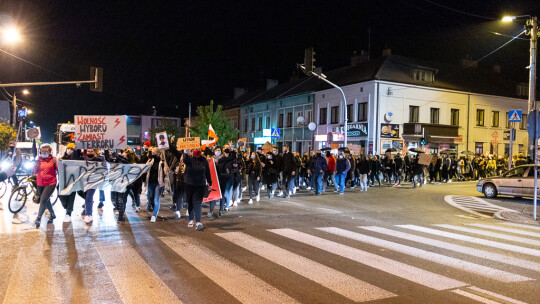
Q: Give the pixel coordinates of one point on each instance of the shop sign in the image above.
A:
(354, 129)
(321, 137)
(389, 131)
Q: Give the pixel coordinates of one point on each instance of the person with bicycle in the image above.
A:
(45, 171)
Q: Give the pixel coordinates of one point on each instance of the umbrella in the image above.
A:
(467, 153)
(416, 150)
(344, 150)
(448, 151)
(326, 149)
(391, 150)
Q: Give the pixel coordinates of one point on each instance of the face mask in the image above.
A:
(275, 152)
(90, 155)
(69, 152)
(319, 154)
(269, 156)
(252, 156)
(218, 153)
(227, 151)
(341, 156)
(197, 153)
(45, 155)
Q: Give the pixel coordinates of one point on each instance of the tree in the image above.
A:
(7, 134)
(167, 125)
(223, 126)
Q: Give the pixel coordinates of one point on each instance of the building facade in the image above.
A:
(138, 127)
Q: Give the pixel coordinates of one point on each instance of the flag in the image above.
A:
(210, 142)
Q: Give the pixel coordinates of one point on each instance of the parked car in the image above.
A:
(517, 182)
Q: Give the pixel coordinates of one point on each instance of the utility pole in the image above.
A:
(14, 121)
(533, 23)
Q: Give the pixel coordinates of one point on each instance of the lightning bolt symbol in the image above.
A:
(122, 139)
(117, 122)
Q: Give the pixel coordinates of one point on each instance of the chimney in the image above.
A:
(468, 62)
(357, 59)
(270, 83)
(497, 68)
(239, 92)
(386, 52)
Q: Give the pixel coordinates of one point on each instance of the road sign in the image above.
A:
(514, 116)
(275, 133)
(531, 122)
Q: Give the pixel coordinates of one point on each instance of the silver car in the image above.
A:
(517, 182)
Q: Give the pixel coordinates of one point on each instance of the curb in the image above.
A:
(515, 217)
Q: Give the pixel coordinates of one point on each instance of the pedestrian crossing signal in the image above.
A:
(423, 141)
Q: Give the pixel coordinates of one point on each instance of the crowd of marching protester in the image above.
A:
(186, 176)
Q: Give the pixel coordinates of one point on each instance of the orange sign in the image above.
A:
(215, 194)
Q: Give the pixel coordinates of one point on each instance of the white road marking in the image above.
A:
(474, 296)
(339, 282)
(474, 240)
(457, 248)
(516, 231)
(496, 295)
(462, 265)
(472, 204)
(522, 226)
(491, 234)
(331, 211)
(220, 270)
(402, 270)
(134, 280)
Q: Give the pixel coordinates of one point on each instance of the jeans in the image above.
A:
(154, 195)
(288, 183)
(374, 176)
(89, 201)
(270, 189)
(67, 202)
(341, 181)
(194, 198)
(180, 199)
(226, 191)
(418, 178)
(253, 186)
(333, 177)
(101, 196)
(318, 182)
(44, 193)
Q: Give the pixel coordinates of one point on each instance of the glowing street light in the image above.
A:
(508, 18)
(11, 35)
(26, 92)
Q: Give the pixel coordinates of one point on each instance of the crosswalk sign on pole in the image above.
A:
(274, 133)
(514, 116)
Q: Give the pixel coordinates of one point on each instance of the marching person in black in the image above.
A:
(197, 181)
(270, 173)
(254, 173)
(289, 170)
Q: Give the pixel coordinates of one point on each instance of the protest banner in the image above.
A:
(241, 142)
(355, 149)
(268, 147)
(424, 159)
(80, 175)
(215, 194)
(162, 140)
(100, 132)
(188, 143)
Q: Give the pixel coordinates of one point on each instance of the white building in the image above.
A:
(395, 101)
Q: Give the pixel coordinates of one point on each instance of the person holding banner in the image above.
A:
(89, 194)
(45, 171)
(197, 181)
(155, 181)
(68, 200)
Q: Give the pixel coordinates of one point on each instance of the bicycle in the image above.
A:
(7, 183)
(19, 195)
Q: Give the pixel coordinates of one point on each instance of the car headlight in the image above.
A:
(28, 165)
(5, 165)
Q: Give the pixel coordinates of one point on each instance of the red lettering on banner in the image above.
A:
(90, 120)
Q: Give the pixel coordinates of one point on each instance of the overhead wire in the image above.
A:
(459, 11)
(33, 64)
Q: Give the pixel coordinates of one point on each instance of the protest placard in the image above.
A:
(215, 194)
(78, 175)
(424, 159)
(355, 149)
(162, 140)
(188, 143)
(100, 132)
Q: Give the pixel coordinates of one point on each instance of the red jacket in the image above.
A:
(331, 163)
(45, 171)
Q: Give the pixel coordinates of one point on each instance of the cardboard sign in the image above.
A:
(162, 140)
(215, 194)
(34, 133)
(434, 159)
(100, 132)
(75, 175)
(242, 142)
(268, 147)
(188, 143)
(424, 159)
(355, 149)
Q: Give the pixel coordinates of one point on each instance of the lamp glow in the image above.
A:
(508, 18)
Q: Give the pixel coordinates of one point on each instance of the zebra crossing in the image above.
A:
(454, 263)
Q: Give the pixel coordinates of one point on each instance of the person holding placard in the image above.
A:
(197, 181)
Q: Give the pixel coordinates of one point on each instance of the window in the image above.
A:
(479, 148)
(495, 119)
(253, 124)
(413, 113)
(523, 122)
(350, 113)
(480, 117)
(260, 124)
(334, 115)
(280, 121)
(289, 119)
(322, 116)
(507, 122)
(454, 117)
(434, 116)
(268, 122)
(309, 116)
(362, 111)
(245, 125)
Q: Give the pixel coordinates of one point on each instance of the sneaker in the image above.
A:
(258, 197)
(199, 226)
(280, 193)
(336, 190)
(153, 219)
(294, 190)
(210, 215)
(67, 219)
(250, 201)
(37, 223)
(244, 189)
(235, 204)
(51, 219)
(287, 196)
(88, 219)
(187, 212)
(308, 188)
(137, 209)
(177, 214)
(100, 205)
(341, 193)
(190, 224)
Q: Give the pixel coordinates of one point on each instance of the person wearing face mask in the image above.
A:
(270, 173)
(254, 172)
(197, 180)
(342, 167)
(319, 167)
(45, 170)
(288, 169)
(68, 200)
(90, 156)
(278, 161)
(156, 180)
(225, 172)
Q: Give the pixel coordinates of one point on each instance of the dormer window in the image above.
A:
(423, 75)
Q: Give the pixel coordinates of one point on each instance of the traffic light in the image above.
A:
(309, 59)
(423, 141)
(97, 75)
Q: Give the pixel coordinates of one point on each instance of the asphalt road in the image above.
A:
(385, 245)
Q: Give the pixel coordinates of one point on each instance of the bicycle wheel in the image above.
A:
(17, 200)
(54, 196)
(3, 188)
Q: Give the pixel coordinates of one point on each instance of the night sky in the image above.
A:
(169, 53)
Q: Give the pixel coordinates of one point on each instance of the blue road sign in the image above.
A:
(514, 116)
(532, 124)
(275, 133)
